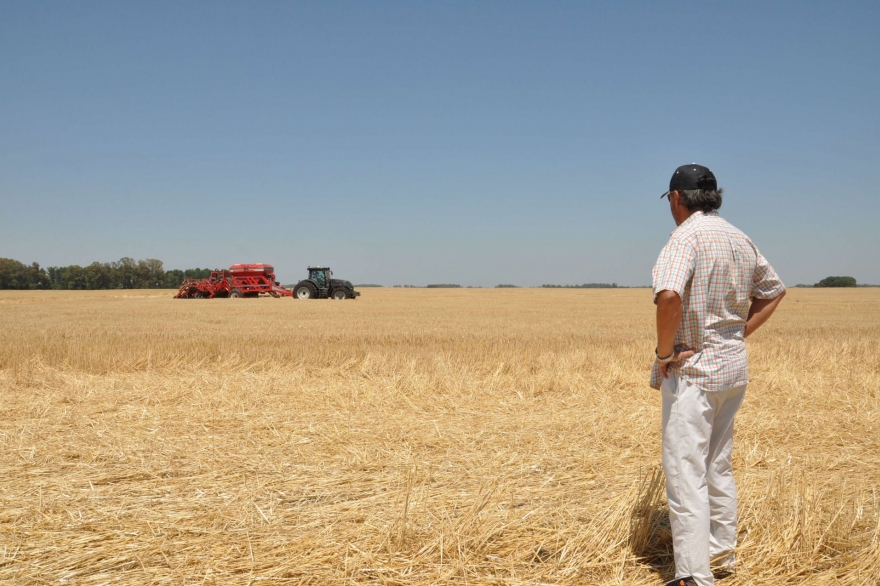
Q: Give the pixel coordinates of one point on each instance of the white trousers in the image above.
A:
(697, 450)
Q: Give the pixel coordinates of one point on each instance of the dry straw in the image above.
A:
(412, 437)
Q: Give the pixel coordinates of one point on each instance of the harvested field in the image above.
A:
(412, 437)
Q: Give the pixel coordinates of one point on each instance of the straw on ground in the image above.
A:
(412, 437)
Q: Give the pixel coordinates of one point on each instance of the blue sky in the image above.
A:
(425, 142)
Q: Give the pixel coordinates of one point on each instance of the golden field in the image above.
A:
(426, 436)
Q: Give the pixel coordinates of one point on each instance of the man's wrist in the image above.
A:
(664, 359)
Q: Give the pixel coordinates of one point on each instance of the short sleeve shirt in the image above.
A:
(717, 271)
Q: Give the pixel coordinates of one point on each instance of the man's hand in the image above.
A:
(677, 357)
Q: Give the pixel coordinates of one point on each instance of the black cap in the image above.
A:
(691, 176)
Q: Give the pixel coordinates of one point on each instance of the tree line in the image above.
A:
(126, 273)
(835, 282)
(584, 286)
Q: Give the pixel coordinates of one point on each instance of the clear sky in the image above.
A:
(436, 142)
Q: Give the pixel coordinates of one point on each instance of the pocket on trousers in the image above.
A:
(671, 385)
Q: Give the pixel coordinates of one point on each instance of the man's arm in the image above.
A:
(759, 312)
(767, 291)
(668, 320)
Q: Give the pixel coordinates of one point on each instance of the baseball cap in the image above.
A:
(691, 176)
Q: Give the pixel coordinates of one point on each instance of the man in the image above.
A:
(712, 289)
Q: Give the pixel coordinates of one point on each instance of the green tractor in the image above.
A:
(319, 285)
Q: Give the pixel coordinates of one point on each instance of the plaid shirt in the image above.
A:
(717, 271)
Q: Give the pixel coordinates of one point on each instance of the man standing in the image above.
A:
(712, 289)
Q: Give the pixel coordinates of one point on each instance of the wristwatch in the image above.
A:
(664, 360)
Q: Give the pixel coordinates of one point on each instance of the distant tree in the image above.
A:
(837, 282)
(151, 274)
(15, 274)
(173, 279)
(125, 273)
(98, 276)
(197, 273)
(38, 277)
(56, 277)
(507, 286)
(444, 286)
(75, 277)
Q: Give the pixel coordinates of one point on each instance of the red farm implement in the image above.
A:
(239, 281)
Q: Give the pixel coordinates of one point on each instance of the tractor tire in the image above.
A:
(305, 291)
(339, 295)
(236, 294)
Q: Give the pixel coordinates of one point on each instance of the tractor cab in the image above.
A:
(321, 277)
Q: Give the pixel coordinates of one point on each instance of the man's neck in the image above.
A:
(682, 216)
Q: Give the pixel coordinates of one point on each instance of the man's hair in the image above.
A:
(707, 200)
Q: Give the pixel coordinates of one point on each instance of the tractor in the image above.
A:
(319, 285)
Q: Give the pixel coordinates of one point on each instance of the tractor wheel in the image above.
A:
(235, 294)
(339, 294)
(305, 291)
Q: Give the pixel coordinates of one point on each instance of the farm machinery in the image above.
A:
(252, 280)
(319, 285)
(242, 280)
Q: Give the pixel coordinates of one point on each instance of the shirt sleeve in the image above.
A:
(674, 268)
(766, 284)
